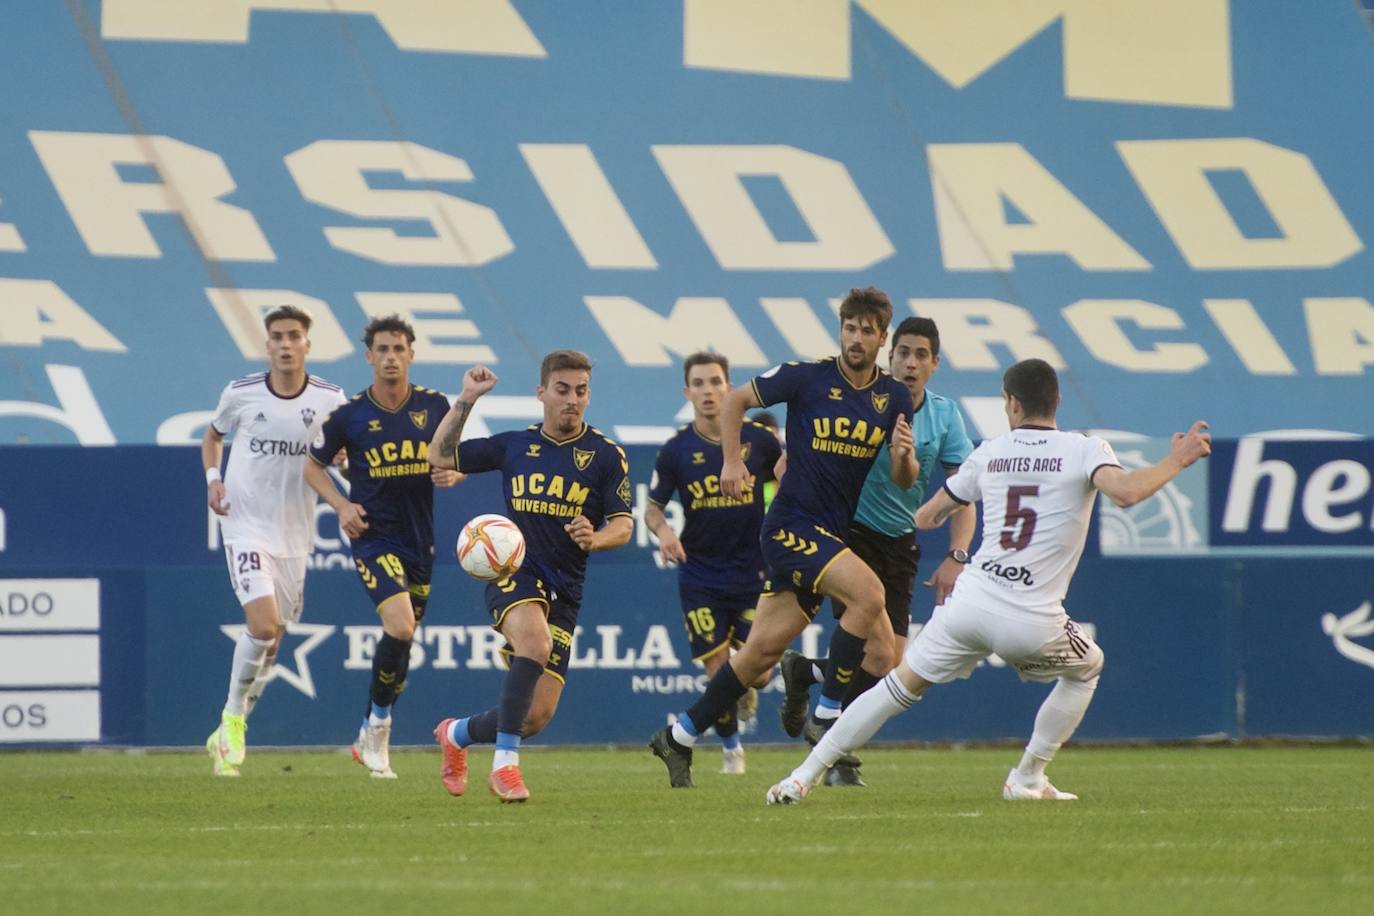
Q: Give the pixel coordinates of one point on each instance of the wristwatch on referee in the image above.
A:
(958, 555)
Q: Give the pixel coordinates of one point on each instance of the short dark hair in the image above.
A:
(563, 359)
(922, 327)
(286, 313)
(704, 358)
(1035, 384)
(393, 323)
(869, 302)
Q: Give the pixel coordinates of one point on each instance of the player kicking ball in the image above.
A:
(567, 488)
(1037, 485)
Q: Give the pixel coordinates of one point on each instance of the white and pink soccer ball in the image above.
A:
(490, 547)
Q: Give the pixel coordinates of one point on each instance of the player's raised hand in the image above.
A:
(443, 477)
(670, 549)
(1196, 443)
(902, 443)
(218, 504)
(353, 520)
(581, 531)
(477, 381)
(734, 479)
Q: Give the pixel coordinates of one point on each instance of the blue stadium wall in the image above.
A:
(1167, 199)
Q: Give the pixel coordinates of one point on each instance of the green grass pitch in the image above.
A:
(1160, 830)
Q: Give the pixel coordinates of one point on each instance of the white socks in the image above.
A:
(505, 759)
(856, 726)
(248, 657)
(1055, 723)
(260, 682)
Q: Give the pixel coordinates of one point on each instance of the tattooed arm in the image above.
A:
(443, 448)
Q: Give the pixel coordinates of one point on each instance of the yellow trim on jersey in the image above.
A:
(501, 618)
(619, 515)
(754, 386)
(368, 391)
(816, 585)
(582, 432)
(702, 435)
(877, 374)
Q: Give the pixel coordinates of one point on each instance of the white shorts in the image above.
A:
(961, 634)
(255, 574)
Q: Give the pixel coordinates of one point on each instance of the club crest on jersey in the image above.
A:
(623, 491)
(307, 415)
(698, 457)
(374, 426)
(532, 451)
(836, 394)
(880, 402)
(582, 459)
(418, 417)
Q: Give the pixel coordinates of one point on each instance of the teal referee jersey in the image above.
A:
(938, 430)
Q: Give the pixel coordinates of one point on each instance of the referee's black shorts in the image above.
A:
(894, 560)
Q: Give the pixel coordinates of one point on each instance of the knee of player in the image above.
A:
(878, 656)
(403, 631)
(541, 648)
(264, 632)
(867, 604)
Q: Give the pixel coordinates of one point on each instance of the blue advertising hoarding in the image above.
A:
(1198, 642)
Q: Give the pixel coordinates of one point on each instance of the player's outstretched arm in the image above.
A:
(443, 448)
(211, 453)
(939, 507)
(669, 546)
(734, 476)
(1126, 488)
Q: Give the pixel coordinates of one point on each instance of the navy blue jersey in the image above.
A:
(720, 535)
(549, 482)
(834, 433)
(388, 466)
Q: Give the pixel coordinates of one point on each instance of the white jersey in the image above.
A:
(1037, 492)
(270, 504)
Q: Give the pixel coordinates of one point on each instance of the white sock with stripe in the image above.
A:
(856, 726)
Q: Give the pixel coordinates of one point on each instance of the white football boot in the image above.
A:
(732, 764)
(788, 792)
(1015, 789)
(373, 750)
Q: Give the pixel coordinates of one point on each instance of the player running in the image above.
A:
(720, 565)
(840, 412)
(1037, 485)
(567, 487)
(266, 512)
(883, 535)
(388, 514)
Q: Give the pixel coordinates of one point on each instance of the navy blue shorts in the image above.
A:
(385, 572)
(796, 554)
(526, 585)
(715, 622)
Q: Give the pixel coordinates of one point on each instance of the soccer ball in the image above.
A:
(490, 547)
